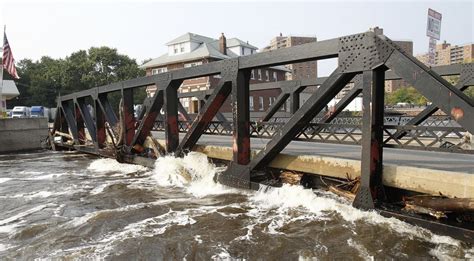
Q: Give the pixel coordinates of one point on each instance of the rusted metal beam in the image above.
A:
(81, 132)
(99, 116)
(241, 117)
(315, 103)
(170, 96)
(128, 116)
(206, 114)
(342, 104)
(445, 96)
(466, 79)
(276, 106)
(239, 175)
(87, 118)
(151, 111)
(371, 187)
(68, 113)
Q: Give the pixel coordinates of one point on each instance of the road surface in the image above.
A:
(415, 158)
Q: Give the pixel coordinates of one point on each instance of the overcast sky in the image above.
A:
(140, 29)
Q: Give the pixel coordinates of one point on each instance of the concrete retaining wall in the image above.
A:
(430, 181)
(22, 134)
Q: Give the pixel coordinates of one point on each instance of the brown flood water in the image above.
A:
(72, 206)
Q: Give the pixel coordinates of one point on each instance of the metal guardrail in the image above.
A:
(438, 133)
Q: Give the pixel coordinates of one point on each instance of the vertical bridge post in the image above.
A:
(241, 117)
(171, 117)
(371, 187)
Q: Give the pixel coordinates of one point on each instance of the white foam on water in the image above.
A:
(25, 213)
(111, 165)
(44, 177)
(39, 194)
(223, 254)
(198, 239)
(145, 228)
(469, 254)
(4, 247)
(58, 211)
(361, 249)
(99, 189)
(78, 221)
(248, 235)
(3, 180)
(192, 172)
(28, 172)
(288, 197)
(7, 229)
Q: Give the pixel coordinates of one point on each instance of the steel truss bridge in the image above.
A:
(365, 59)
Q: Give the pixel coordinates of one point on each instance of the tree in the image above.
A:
(43, 80)
(405, 95)
(107, 66)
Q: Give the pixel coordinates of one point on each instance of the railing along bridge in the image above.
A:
(365, 59)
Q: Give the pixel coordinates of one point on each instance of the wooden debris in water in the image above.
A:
(342, 193)
(442, 203)
(291, 177)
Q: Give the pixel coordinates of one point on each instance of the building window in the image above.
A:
(271, 100)
(251, 103)
(259, 72)
(267, 75)
(159, 70)
(243, 50)
(252, 75)
(187, 65)
(260, 102)
(175, 50)
(275, 76)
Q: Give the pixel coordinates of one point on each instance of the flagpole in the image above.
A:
(1, 77)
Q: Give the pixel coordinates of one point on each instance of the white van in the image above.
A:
(20, 112)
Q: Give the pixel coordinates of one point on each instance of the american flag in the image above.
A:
(8, 62)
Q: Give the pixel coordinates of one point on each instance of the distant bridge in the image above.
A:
(367, 59)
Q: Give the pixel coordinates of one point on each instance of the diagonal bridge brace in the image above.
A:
(440, 92)
(466, 80)
(211, 107)
(238, 175)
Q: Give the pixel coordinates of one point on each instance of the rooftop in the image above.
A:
(208, 48)
(9, 90)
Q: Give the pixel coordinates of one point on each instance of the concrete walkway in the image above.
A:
(401, 157)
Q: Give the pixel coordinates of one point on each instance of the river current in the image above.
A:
(67, 205)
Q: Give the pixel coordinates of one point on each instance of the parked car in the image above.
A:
(37, 111)
(20, 112)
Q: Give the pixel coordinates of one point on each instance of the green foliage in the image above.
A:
(405, 95)
(470, 92)
(43, 80)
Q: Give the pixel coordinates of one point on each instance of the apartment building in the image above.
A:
(191, 49)
(296, 71)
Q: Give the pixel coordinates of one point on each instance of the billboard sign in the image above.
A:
(433, 28)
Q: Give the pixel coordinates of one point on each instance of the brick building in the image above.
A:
(393, 85)
(191, 49)
(447, 54)
(297, 71)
